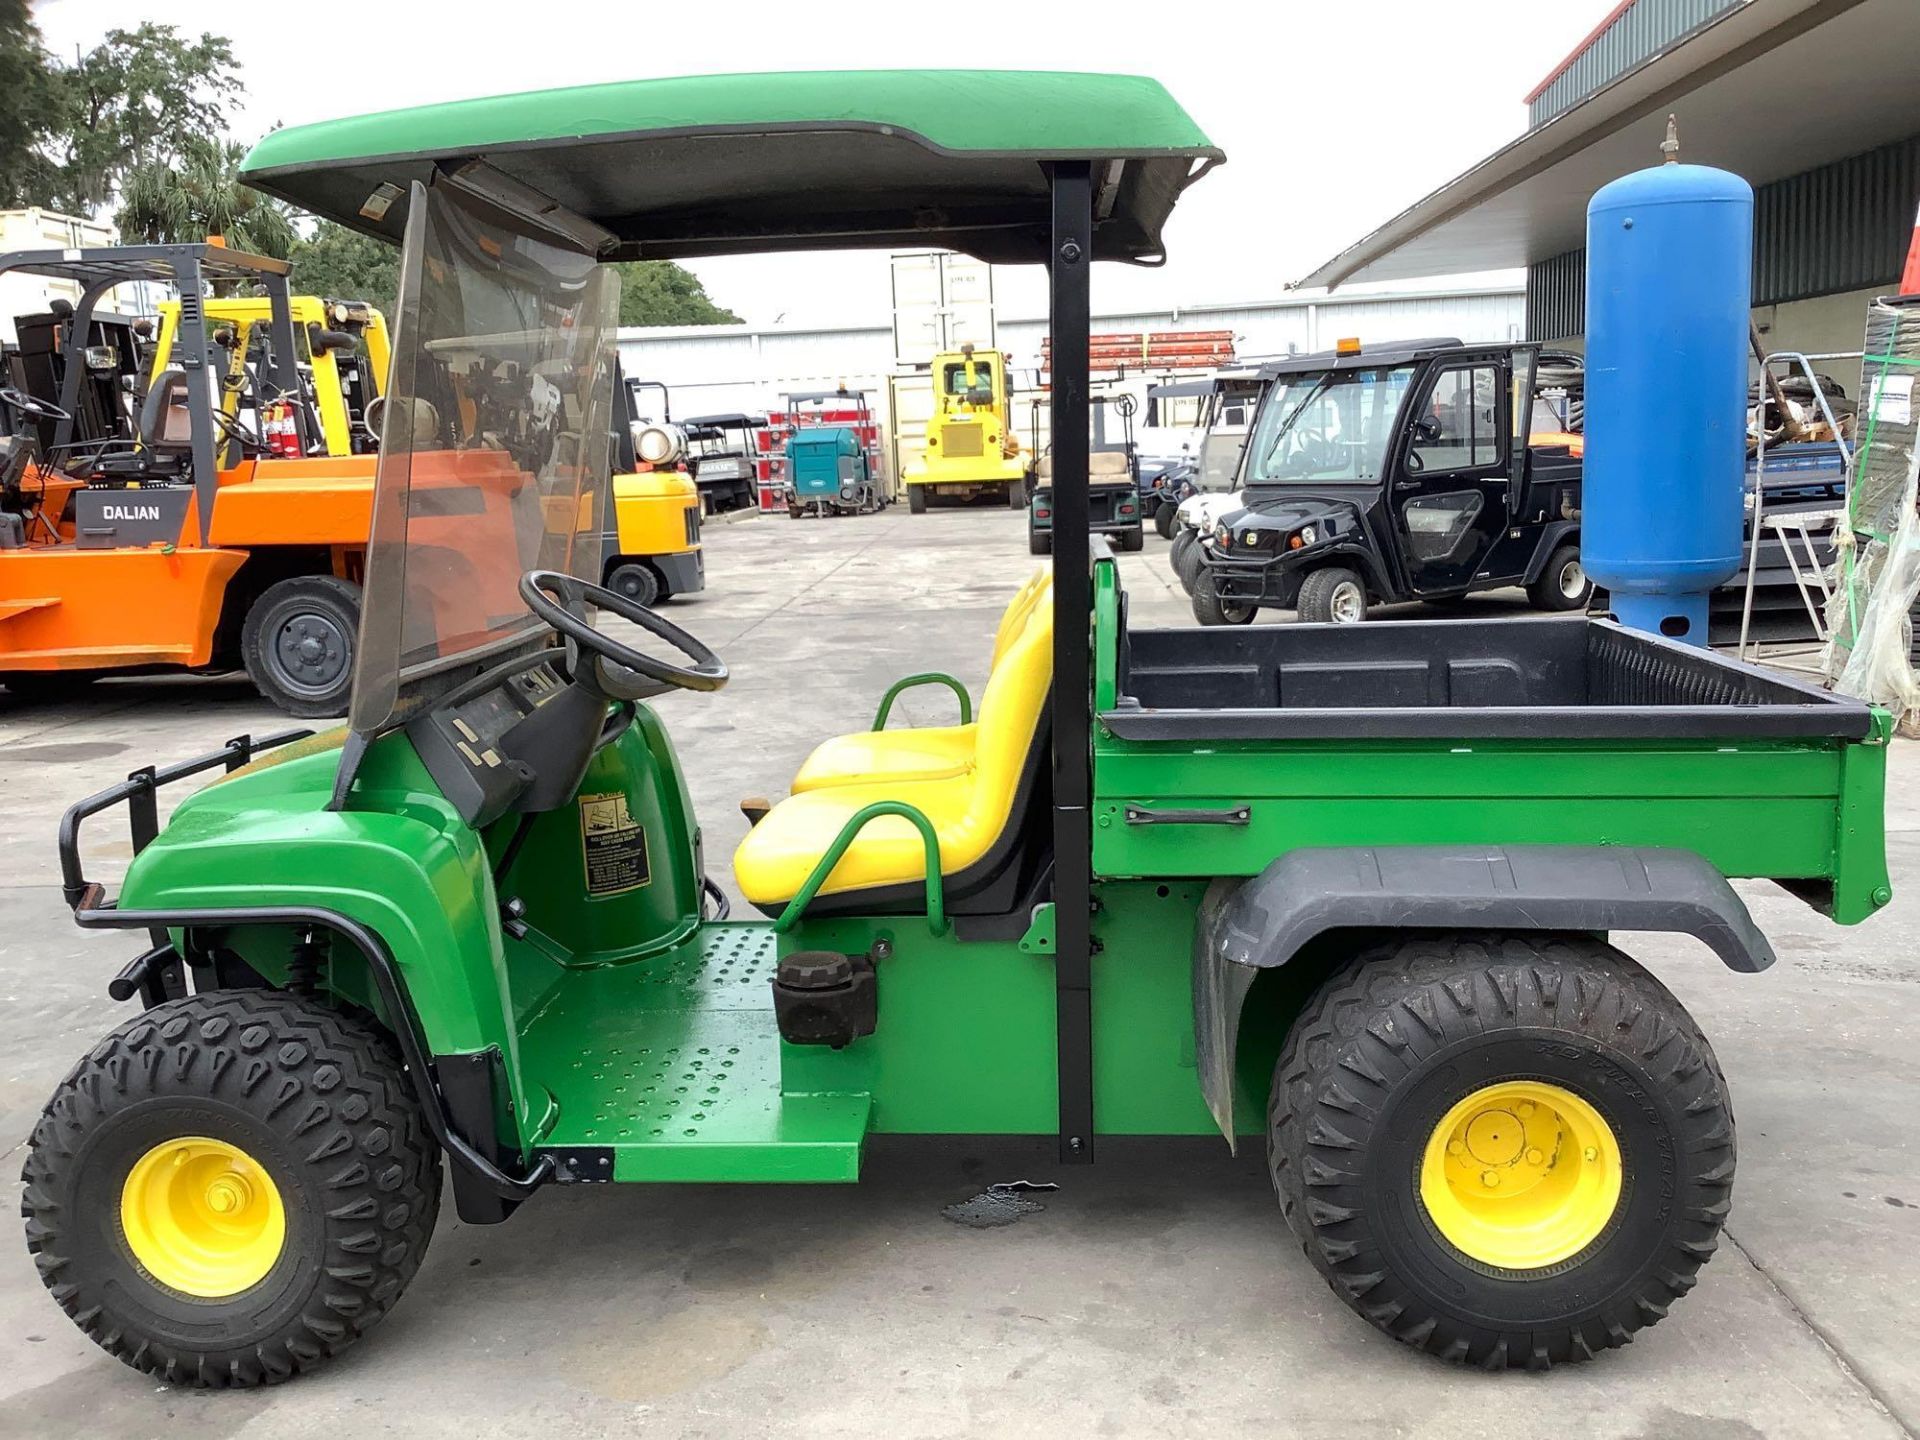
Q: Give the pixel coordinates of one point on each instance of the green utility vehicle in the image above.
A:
(1340, 894)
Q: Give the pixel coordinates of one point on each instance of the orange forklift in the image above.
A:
(184, 516)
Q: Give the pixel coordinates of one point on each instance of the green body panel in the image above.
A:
(1048, 113)
(672, 1062)
(965, 1043)
(570, 924)
(1786, 810)
(1145, 1081)
(401, 862)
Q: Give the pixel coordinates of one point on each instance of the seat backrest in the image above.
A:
(1101, 464)
(1011, 711)
(1015, 615)
(166, 420)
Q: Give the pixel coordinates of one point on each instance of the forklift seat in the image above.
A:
(925, 753)
(166, 421)
(165, 432)
(970, 812)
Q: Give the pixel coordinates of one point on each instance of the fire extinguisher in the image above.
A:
(279, 430)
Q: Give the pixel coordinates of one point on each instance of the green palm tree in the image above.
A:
(196, 193)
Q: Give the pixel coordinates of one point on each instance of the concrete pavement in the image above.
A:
(1157, 1294)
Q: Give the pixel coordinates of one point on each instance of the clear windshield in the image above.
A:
(1327, 427)
(1220, 459)
(494, 444)
(976, 389)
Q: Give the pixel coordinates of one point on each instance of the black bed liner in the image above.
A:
(1524, 679)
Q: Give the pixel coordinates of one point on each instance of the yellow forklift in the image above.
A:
(971, 446)
(651, 539)
(340, 349)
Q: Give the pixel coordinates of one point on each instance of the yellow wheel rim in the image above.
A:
(1521, 1175)
(202, 1217)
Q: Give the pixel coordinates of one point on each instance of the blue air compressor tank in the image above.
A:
(1669, 283)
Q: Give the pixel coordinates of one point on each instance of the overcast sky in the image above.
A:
(1335, 114)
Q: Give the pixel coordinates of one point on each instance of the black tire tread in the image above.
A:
(1315, 600)
(1386, 1008)
(364, 1110)
(344, 593)
(1210, 609)
(1544, 593)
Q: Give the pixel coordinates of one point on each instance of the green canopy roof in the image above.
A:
(727, 164)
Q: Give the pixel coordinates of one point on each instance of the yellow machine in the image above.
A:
(328, 337)
(971, 447)
(651, 545)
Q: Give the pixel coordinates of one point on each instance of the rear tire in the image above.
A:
(327, 1130)
(916, 499)
(1627, 1157)
(1210, 609)
(1563, 583)
(637, 582)
(1016, 495)
(1134, 540)
(299, 643)
(1039, 542)
(1333, 596)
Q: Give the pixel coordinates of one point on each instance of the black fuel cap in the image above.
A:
(816, 970)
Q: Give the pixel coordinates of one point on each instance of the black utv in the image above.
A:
(1423, 470)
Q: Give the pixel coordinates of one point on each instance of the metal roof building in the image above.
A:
(1812, 101)
(744, 367)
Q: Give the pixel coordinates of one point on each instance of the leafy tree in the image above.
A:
(25, 106)
(197, 193)
(136, 99)
(343, 264)
(659, 292)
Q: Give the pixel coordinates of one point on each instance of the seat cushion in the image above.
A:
(932, 753)
(773, 862)
(968, 812)
(878, 756)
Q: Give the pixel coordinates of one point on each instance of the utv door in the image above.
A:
(1451, 498)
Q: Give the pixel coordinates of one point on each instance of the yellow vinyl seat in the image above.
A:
(931, 753)
(969, 812)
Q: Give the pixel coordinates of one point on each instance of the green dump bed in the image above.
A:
(1217, 750)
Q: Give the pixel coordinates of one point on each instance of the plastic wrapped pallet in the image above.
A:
(1870, 652)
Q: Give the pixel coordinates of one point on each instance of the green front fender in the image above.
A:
(401, 863)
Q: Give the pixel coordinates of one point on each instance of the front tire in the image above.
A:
(1563, 584)
(1333, 596)
(636, 581)
(1184, 558)
(916, 499)
(298, 644)
(1501, 1149)
(231, 1188)
(1210, 609)
(1163, 520)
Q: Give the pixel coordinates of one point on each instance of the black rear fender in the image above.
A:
(1264, 923)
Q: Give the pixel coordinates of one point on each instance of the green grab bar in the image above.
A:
(936, 886)
(931, 677)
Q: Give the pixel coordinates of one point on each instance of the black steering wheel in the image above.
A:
(30, 405)
(552, 596)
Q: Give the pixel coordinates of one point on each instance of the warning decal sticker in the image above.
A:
(615, 846)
